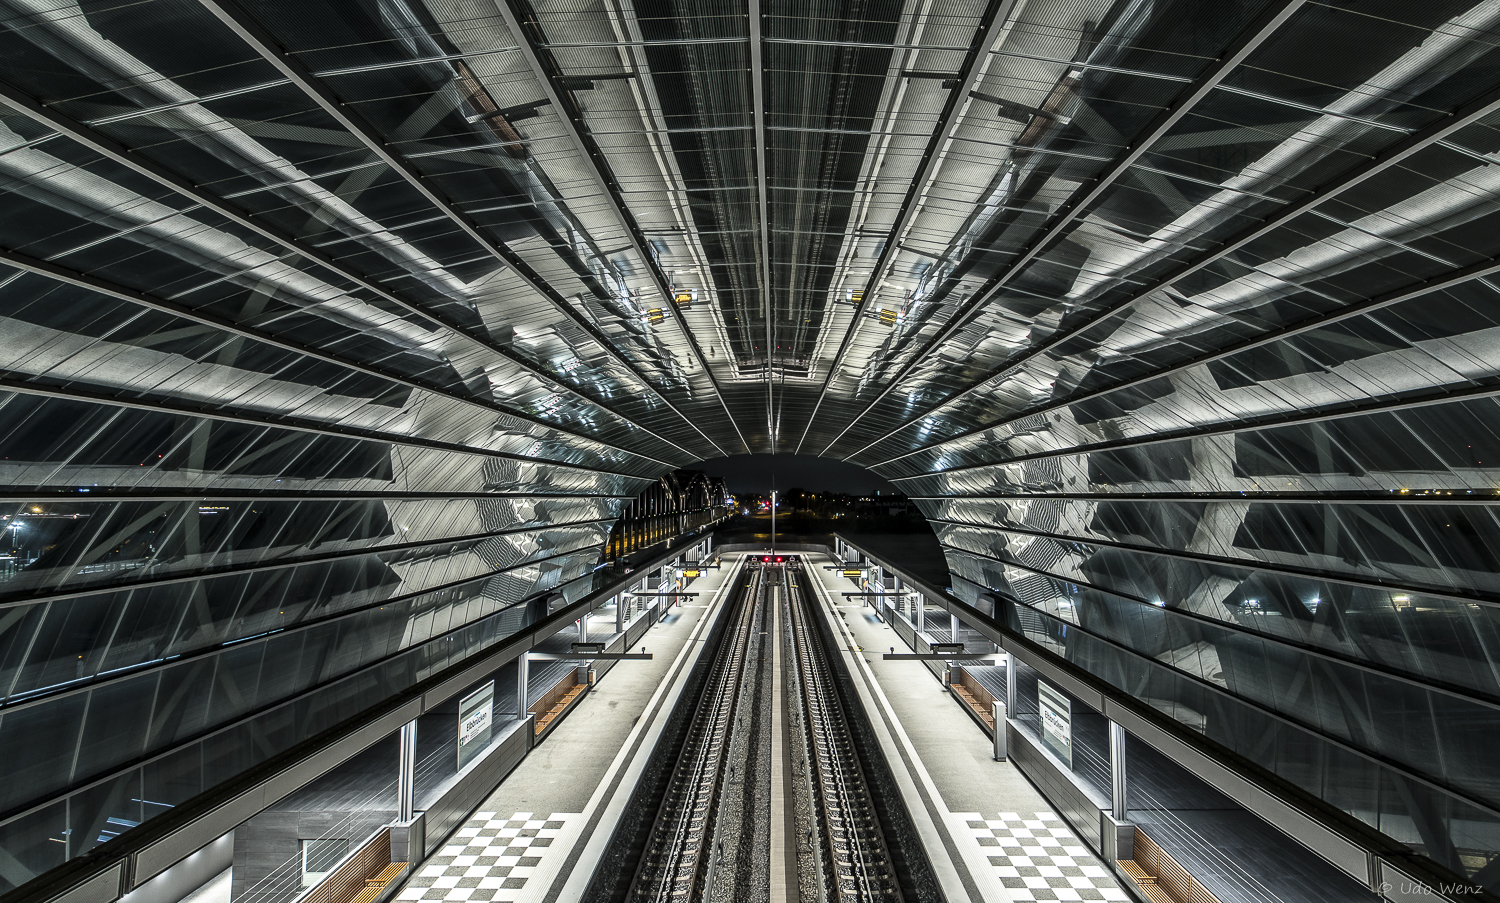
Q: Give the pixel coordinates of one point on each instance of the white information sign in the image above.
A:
(1057, 721)
(476, 713)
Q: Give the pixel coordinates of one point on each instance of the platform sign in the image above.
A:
(476, 715)
(1057, 721)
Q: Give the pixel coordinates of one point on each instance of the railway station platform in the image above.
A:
(1000, 839)
(539, 836)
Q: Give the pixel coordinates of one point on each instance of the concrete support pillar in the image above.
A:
(919, 612)
(583, 628)
(953, 626)
(521, 690)
(620, 613)
(1118, 789)
(999, 713)
(406, 776)
(1010, 682)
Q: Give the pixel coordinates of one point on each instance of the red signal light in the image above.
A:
(778, 558)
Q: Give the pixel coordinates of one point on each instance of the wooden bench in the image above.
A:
(387, 875)
(561, 706)
(968, 699)
(1134, 870)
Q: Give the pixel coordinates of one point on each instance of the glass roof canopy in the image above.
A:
(332, 328)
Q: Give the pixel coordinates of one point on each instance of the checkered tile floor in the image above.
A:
(1038, 858)
(489, 859)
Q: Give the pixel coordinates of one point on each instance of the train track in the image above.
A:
(710, 840)
(675, 864)
(857, 865)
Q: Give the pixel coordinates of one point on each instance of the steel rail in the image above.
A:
(1245, 44)
(677, 852)
(859, 866)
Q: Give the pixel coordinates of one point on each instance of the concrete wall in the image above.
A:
(1070, 800)
(445, 814)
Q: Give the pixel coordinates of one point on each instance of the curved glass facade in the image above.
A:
(333, 333)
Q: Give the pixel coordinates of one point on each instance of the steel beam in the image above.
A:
(1244, 564)
(1417, 141)
(762, 199)
(570, 116)
(277, 421)
(973, 66)
(125, 156)
(1453, 278)
(104, 287)
(1250, 39)
(264, 43)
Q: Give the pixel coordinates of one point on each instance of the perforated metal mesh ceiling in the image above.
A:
(334, 330)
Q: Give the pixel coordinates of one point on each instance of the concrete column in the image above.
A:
(583, 628)
(521, 675)
(620, 613)
(920, 612)
(953, 626)
(1118, 789)
(406, 776)
(1010, 682)
(998, 710)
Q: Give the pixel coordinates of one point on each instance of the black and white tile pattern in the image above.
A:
(1039, 858)
(489, 859)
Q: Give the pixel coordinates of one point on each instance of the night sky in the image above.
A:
(753, 473)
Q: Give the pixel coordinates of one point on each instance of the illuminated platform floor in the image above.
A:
(1002, 838)
(557, 809)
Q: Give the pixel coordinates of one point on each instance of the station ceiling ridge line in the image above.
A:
(1410, 678)
(1256, 33)
(1403, 770)
(996, 14)
(1270, 421)
(149, 301)
(41, 597)
(588, 151)
(9, 383)
(124, 156)
(1415, 142)
(1249, 564)
(1444, 282)
(756, 15)
(260, 40)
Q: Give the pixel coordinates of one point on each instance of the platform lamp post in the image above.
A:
(773, 522)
